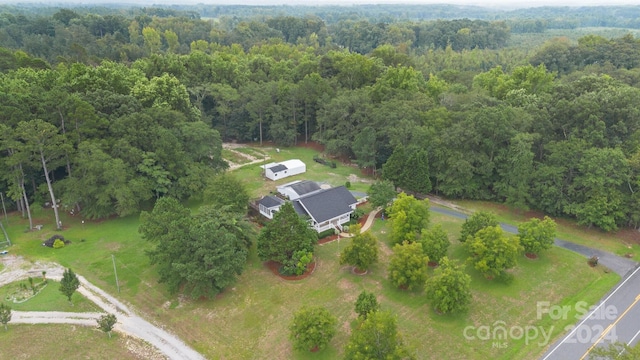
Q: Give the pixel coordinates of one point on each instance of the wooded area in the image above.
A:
(105, 110)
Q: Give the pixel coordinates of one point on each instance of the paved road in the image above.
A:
(614, 319)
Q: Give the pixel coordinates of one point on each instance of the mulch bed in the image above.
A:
(275, 269)
(531, 256)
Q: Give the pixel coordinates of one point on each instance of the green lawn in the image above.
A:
(70, 342)
(258, 186)
(620, 243)
(48, 299)
(250, 320)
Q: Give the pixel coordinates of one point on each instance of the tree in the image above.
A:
(394, 168)
(361, 252)
(377, 337)
(106, 323)
(284, 235)
(69, 284)
(312, 328)
(5, 315)
(408, 266)
(416, 176)
(226, 189)
(492, 252)
(408, 217)
(449, 289)
(381, 193)
(476, 222)
(44, 144)
(536, 235)
(366, 303)
(203, 253)
(364, 147)
(435, 243)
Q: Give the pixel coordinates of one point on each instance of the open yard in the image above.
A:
(250, 320)
(48, 299)
(70, 342)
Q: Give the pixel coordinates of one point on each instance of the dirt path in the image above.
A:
(252, 159)
(16, 268)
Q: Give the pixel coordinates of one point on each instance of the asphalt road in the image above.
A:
(614, 319)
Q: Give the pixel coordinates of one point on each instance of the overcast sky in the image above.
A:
(486, 3)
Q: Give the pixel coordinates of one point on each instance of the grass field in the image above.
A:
(250, 320)
(69, 342)
(48, 299)
(258, 186)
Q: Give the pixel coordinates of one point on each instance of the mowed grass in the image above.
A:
(48, 299)
(568, 229)
(69, 342)
(259, 186)
(250, 320)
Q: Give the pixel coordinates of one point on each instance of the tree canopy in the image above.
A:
(285, 235)
(201, 253)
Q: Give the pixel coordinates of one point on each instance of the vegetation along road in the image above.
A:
(612, 320)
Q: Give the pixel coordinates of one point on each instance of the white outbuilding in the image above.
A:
(281, 170)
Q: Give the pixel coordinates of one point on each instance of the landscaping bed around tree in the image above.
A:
(47, 298)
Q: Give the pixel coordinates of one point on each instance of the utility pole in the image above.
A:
(4, 208)
(113, 258)
(6, 236)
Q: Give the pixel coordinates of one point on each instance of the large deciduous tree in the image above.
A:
(227, 190)
(408, 217)
(362, 252)
(476, 222)
(537, 235)
(312, 328)
(408, 266)
(435, 243)
(285, 235)
(202, 253)
(492, 252)
(377, 337)
(381, 193)
(449, 289)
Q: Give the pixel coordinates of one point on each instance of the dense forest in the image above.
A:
(103, 112)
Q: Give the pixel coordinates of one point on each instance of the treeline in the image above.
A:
(480, 124)
(69, 36)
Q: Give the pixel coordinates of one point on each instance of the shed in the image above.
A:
(276, 171)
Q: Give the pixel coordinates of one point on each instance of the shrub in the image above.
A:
(58, 244)
(357, 214)
(347, 184)
(298, 263)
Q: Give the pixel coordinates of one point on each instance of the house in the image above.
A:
(297, 189)
(276, 171)
(327, 208)
(268, 205)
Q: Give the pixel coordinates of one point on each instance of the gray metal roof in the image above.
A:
(277, 167)
(305, 187)
(270, 201)
(328, 203)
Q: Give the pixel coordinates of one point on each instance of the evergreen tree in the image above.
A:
(69, 284)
